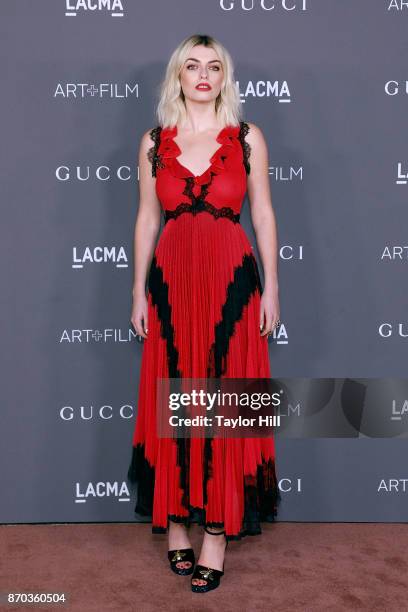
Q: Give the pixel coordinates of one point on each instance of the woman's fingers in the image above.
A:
(139, 321)
(262, 319)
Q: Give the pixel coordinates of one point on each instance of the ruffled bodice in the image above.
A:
(222, 184)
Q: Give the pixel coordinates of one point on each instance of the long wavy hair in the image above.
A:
(171, 108)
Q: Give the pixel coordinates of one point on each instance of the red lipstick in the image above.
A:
(203, 86)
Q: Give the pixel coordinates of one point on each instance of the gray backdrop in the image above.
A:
(326, 82)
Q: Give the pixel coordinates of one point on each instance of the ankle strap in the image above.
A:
(213, 532)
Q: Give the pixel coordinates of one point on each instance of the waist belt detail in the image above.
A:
(201, 206)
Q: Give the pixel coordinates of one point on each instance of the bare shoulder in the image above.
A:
(148, 139)
(255, 136)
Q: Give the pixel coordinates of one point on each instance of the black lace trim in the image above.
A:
(157, 162)
(140, 471)
(152, 155)
(246, 147)
(188, 188)
(200, 205)
(239, 291)
(262, 498)
(159, 291)
(261, 494)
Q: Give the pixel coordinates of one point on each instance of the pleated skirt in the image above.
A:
(204, 293)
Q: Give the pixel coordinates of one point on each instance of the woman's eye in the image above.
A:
(194, 66)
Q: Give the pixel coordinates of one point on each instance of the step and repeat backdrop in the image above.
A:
(326, 81)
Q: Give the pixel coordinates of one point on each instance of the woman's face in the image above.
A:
(202, 66)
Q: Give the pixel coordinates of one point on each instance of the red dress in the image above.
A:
(204, 294)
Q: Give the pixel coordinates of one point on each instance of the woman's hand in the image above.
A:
(269, 311)
(139, 315)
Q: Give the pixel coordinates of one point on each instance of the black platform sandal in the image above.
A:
(212, 576)
(181, 554)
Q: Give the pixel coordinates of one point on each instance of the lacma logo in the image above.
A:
(399, 410)
(402, 174)
(280, 335)
(88, 255)
(101, 489)
(113, 7)
(265, 89)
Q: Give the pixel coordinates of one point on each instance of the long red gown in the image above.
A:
(204, 294)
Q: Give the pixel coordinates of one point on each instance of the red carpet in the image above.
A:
(291, 566)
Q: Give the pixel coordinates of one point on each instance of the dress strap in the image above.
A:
(246, 147)
(152, 153)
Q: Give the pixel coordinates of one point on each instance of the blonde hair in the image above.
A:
(171, 108)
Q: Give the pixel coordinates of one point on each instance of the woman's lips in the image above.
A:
(203, 86)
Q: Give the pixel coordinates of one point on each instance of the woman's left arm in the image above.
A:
(264, 222)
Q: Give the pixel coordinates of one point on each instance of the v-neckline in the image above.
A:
(197, 176)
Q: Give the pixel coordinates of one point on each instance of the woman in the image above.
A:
(205, 314)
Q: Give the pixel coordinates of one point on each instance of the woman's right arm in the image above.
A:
(147, 227)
